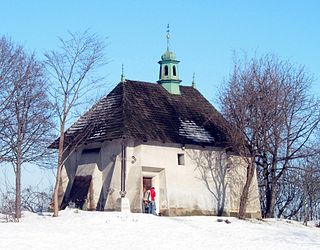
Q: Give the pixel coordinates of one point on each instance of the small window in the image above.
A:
(90, 155)
(166, 70)
(91, 151)
(180, 159)
(174, 70)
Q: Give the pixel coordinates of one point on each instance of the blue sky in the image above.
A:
(204, 34)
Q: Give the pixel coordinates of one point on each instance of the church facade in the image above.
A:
(160, 134)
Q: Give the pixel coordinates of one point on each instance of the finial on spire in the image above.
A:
(193, 82)
(168, 36)
(123, 79)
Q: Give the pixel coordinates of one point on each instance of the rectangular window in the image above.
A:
(91, 151)
(90, 155)
(181, 159)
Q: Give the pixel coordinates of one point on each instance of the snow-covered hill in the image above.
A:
(75, 229)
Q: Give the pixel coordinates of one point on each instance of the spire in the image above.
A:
(169, 72)
(168, 37)
(193, 82)
(123, 79)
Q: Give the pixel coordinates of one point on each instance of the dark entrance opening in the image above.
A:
(79, 191)
(147, 182)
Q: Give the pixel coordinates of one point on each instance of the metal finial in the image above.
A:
(168, 36)
(123, 79)
(193, 82)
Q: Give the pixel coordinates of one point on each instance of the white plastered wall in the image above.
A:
(180, 189)
(238, 177)
(185, 191)
(105, 169)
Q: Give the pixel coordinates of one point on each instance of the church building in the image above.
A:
(161, 134)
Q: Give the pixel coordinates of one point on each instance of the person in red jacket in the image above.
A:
(152, 203)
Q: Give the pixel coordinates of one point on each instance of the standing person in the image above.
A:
(146, 195)
(152, 203)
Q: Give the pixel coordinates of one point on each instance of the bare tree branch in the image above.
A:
(25, 111)
(70, 68)
(267, 100)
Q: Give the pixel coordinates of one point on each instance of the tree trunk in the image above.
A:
(306, 207)
(245, 191)
(18, 188)
(220, 205)
(306, 215)
(270, 200)
(18, 176)
(267, 201)
(59, 169)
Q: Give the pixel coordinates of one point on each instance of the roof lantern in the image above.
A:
(169, 71)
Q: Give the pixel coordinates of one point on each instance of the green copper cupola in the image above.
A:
(169, 71)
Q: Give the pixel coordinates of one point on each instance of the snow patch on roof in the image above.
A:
(192, 131)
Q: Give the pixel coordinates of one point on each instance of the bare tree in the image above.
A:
(7, 207)
(267, 100)
(299, 197)
(289, 196)
(311, 188)
(35, 200)
(9, 56)
(32, 199)
(71, 69)
(26, 122)
(237, 100)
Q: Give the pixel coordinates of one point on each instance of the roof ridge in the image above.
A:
(128, 80)
(157, 84)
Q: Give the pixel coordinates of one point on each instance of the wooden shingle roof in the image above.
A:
(146, 111)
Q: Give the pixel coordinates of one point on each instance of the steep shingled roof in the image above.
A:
(146, 111)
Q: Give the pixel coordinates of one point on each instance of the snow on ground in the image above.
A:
(78, 230)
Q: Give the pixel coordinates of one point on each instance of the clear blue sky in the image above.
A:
(204, 34)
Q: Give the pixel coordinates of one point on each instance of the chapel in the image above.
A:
(161, 134)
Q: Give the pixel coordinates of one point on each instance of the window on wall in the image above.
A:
(91, 151)
(181, 159)
(90, 155)
(174, 70)
(166, 70)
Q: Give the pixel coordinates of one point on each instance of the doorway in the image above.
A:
(147, 182)
(79, 192)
